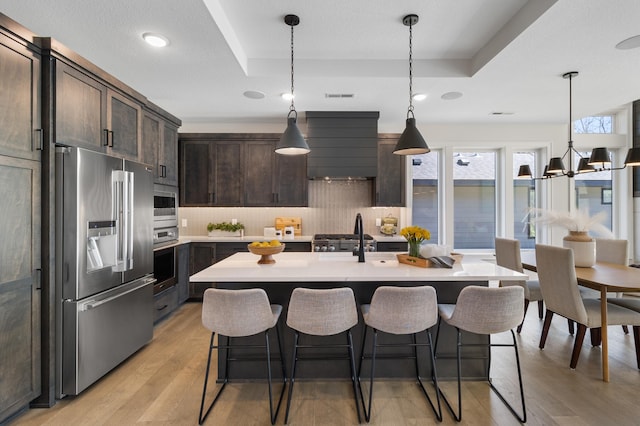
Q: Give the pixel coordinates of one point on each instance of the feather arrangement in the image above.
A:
(579, 221)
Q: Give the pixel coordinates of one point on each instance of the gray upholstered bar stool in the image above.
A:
(322, 312)
(400, 310)
(485, 310)
(240, 313)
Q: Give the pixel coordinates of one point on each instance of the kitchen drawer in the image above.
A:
(392, 246)
(165, 303)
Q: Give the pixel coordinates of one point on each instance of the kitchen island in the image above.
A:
(330, 270)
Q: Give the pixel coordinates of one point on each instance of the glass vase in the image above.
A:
(414, 248)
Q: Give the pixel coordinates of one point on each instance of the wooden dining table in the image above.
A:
(606, 278)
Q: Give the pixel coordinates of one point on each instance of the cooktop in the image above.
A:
(318, 237)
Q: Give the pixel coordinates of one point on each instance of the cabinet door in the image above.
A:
(291, 181)
(183, 272)
(168, 164)
(124, 125)
(228, 176)
(19, 284)
(150, 152)
(196, 173)
(81, 109)
(390, 183)
(259, 176)
(20, 132)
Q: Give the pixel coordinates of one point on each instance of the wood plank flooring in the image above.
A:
(162, 384)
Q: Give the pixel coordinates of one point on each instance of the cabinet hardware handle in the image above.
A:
(110, 138)
(39, 140)
(106, 138)
(163, 171)
(164, 307)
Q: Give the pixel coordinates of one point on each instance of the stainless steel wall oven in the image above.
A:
(165, 206)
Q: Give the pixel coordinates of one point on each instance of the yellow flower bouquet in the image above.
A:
(415, 235)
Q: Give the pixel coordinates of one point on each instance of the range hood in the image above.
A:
(343, 144)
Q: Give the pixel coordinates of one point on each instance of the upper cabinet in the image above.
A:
(160, 144)
(20, 131)
(94, 110)
(91, 115)
(391, 179)
(236, 170)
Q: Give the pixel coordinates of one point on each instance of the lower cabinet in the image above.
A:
(183, 272)
(165, 302)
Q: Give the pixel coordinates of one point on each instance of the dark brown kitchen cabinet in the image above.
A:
(259, 174)
(20, 284)
(391, 179)
(210, 173)
(237, 170)
(201, 256)
(80, 108)
(160, 147)
(91, 115)
(183, 273)
(20, 131)
(123, 130)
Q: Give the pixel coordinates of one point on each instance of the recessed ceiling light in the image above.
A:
(419, 96)
(449, 96)
(155, 40)
(253, 94)
(630, 43)
(287, 96)
(501, 113)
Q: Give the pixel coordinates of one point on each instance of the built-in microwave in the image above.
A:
(165, 206)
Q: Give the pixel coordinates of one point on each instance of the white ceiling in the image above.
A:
(502, 55)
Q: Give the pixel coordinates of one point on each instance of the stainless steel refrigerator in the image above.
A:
(104, 264)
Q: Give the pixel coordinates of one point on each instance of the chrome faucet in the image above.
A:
(360, 232)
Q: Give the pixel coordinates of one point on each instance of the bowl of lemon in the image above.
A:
(266, 249)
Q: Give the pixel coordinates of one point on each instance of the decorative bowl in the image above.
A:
(265, 253)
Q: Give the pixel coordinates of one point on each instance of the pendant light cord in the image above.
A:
(292, 108)
(410, 110)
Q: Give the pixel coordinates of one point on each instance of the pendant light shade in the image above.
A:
(292, 142)
(555, 165)
(524, 171)
(411, 141)
(599, 156)
(584, 166)
(633, 157)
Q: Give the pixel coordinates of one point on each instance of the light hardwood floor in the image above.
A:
(162, 384)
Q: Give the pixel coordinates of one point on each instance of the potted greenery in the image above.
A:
(225, 229)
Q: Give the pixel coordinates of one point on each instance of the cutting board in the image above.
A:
(296, 222)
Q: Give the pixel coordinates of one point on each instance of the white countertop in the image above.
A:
(379, 266)
(246, 239)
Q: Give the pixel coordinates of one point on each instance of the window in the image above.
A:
(425, 193)
(594, 192)
(594, 124)
(474, 194)
(524, 198)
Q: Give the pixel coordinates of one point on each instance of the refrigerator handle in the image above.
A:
(121, 203)
(128, 220)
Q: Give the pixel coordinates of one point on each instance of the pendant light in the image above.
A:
(292, 142)
(599, 160)
(411, 141)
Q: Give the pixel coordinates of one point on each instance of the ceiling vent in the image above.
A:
(338, 95)
(343, 144)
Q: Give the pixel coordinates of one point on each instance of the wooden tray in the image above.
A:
(423, 263)
(296, 222)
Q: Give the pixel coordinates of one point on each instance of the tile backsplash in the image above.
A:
(332, 209)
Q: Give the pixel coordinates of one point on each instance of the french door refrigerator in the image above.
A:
(104, 264)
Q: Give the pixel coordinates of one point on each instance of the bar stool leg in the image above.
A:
(293, 375)
(367, 411)
(202, 418)
(352, 363)
(434, 375)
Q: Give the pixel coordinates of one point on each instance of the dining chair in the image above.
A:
(508, 256)
(400, 311)
(612, 251)
(559, 285)
(322, 312)
(234, 314)
(485, 310)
